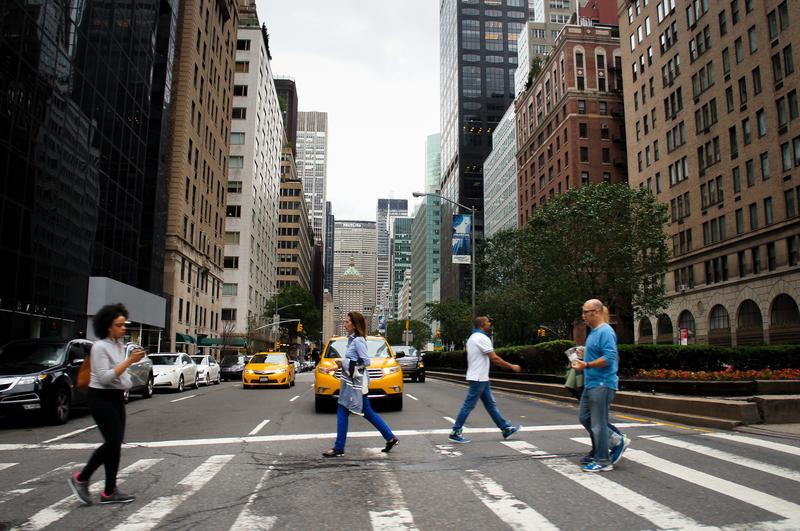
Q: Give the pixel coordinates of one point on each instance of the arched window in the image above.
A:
(749, 315)
(719, 319)
(686, 320)
(664, 325)
(645, 328)
(784, 311)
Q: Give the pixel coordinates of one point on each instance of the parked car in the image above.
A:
(385, 374)
(207, 369)
(175, 370)
(412, 363)
(39, 375)
(268, 368)
(231, 366)
(141, 374)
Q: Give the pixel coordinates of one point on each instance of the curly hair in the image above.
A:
(105, 317)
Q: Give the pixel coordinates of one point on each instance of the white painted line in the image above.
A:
(737, 491)
(300, 437)
(248, 519)
(785, 448)
(11, 494)
(62, 508)
(396, 516)
(660, 515)
(184, 398)
(451, 420)
(149, 516)
(447, 450)
(3, 466)
(70, 434)
(258, 428)
(295, 398)
(775, 470)
(412, 397)
(511, 511)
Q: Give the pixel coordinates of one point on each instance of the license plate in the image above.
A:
(263, 379)
(31, 406)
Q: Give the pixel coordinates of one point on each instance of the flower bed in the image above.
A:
(764, 374)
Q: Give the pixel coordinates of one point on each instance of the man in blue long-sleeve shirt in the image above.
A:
(600, 381)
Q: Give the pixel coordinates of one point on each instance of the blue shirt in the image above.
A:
(357, 351)
(601, 343)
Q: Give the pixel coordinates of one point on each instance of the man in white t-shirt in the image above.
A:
(480, 353)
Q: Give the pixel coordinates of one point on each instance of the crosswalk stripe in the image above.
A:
(151, 514)
(62, 508)
(9, 495)
(248, 519)
(660, 515)
(3, 466)
(511, 511)
(737, 491)
(778, 447)
(397, 516)
(775, 470)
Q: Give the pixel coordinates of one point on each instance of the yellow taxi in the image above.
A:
(385, 374)
(268, 369)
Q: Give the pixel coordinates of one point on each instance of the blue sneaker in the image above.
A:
(597, 467)
(618, 450)
(511, 430)
(456, 437)
(586, 459)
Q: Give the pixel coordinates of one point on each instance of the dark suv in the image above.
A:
(39, 375)
(411, 362)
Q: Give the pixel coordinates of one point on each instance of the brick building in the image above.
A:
(714, 132)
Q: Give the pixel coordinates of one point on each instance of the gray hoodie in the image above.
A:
(107, 354)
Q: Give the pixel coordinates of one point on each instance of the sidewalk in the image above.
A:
(777, 415)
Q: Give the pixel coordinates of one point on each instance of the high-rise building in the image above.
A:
(400, 257)
(350, 296)
(328, 316)
(387, 211)
(478, 58)
(312, 165)
(202, 98)
(500, 178)
(404, 297)
(83, 162)
(295, 237)
(536, 41)
(254, 179)
(433, 163)
(330, 229)
(356, 240)
(570, 121)
(425, 245)
(714, 132)
(287, 97)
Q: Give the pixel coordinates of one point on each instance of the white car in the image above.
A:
(175, 370)
(207, 369)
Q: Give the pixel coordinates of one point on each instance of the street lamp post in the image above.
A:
(472, 212)
(276, 317)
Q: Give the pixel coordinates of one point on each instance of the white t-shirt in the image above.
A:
(479, 345)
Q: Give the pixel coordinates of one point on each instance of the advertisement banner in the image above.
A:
(462, 239)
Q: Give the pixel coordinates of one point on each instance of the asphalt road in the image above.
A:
(222, 457)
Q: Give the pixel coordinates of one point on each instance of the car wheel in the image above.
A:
(293, 381)
(321, 404)
(60, 406)
(413, 378)
(196, 384)
(180, 384)
(421, 378)
(397, 402)
(245, 386)
(218, 380)
(148, 389)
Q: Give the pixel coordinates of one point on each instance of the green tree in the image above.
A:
(454, 318)
(307, 312)
(421, 331)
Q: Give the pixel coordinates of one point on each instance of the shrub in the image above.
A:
(542, 358)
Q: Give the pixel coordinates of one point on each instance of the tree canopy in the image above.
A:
(307, 312)
(421, 331)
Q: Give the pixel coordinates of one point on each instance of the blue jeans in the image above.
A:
(482, 390)
(593, 414)
(342, 421)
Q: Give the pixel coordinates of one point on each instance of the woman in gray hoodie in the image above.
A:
(108, 383)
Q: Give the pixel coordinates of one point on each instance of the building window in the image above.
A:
(240, 90)
(229, 314)
(232, 238)
(793, 249)
(239, 113)
(242, 67)
(584, 152)
(581, 106)
(237, 139)
(236, 162)
(583, 130)
(243, 44)
(768, 218)
(771, 261)
(234, 187)
(753, 216)
(764, 165)
(233, 211)
(231, 262)
(230, 290)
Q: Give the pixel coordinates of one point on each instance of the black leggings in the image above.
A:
(108, 409)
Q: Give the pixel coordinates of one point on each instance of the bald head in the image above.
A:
(592, 312)
(481, 322)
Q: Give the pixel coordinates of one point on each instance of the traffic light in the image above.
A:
(299, 327)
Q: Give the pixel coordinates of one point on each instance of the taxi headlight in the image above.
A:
(391, 370)
(279, 371)
(249, 371)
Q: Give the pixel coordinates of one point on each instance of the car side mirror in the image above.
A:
(399, 355)
(77, 361)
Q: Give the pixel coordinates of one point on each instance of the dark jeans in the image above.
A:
(593, 414)
(108, 410)
(482, 390)
(343, 419)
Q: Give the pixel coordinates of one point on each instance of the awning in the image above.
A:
(219, 342)
(181, 339)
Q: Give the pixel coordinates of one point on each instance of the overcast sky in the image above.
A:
(373, 66)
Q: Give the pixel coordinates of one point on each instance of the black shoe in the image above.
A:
(391, 443)
(333, 453)
(80, 489)
(116, 497)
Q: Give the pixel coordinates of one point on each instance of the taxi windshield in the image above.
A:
(269, 358)
(377, 348)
